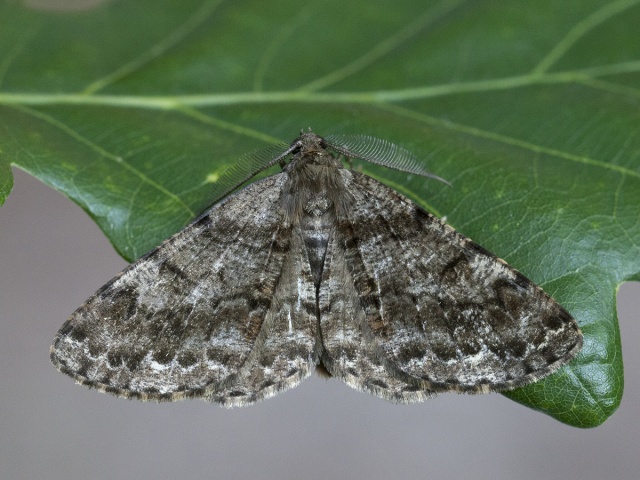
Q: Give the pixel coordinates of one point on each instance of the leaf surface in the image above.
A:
(530, 109)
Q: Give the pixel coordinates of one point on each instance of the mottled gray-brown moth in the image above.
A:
(318, 264)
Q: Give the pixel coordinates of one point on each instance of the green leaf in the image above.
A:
(530, 109)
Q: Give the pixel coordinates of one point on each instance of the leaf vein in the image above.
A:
(108, 155)
(171, 40)
(580, 30)
(382, 48)
(504, 139)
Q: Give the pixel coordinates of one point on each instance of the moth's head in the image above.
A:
(309, 143)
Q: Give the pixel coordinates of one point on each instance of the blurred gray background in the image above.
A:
(53, 257)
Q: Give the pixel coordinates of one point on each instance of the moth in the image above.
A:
(316, 265)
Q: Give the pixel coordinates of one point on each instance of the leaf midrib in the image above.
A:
(170, 102)
(188, 104)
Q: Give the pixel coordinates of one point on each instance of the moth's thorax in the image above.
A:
(315, 196)
(315, 187)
